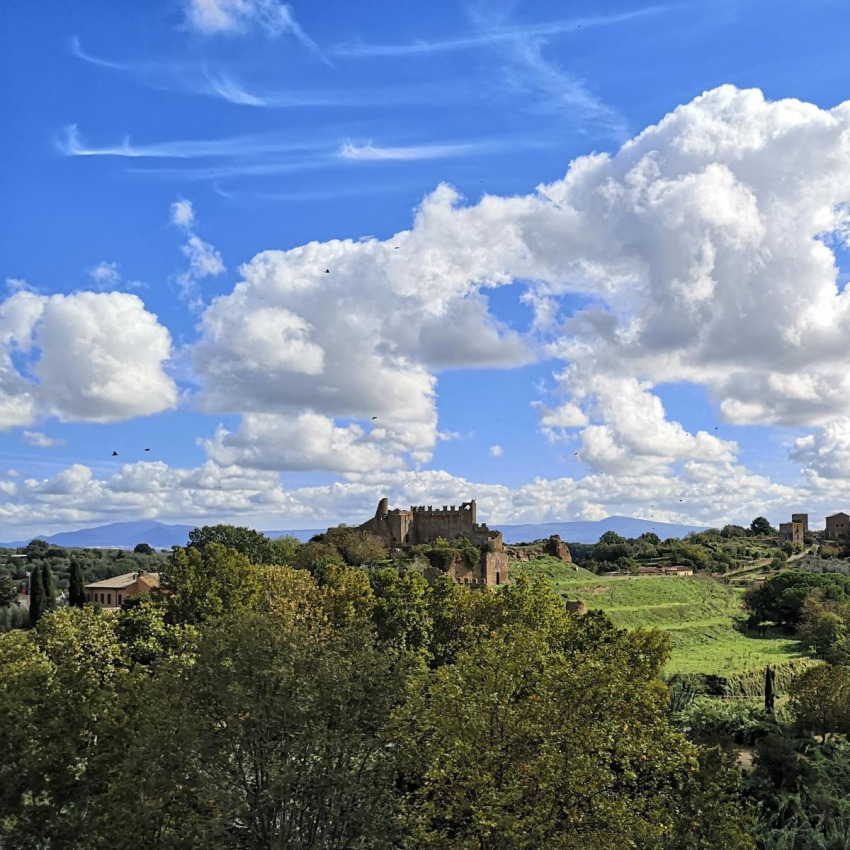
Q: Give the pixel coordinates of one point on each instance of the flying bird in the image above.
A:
(147, 450)
(374, 417)
(327, 271)
(114, 454)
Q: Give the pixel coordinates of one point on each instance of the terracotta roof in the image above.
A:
(118, 582)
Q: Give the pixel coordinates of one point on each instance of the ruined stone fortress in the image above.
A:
(837, 527)
(420, 525)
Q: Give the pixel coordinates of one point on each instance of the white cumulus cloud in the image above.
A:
(704, 249)
(308, 441)
(211, 493)
(95, 357)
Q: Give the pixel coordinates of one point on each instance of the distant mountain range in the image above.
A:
(591, 530)
(117, 535)
(125, 535)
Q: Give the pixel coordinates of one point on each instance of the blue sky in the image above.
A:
(634, 334)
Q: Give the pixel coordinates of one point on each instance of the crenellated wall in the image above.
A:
(424, 524)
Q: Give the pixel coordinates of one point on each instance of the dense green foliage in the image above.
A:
(799, 782)
(8, 591)
(761, 526)
(707, 551)
(260, 706)
(781, 599)
(95, 564)
(813, 606)
(252, 544)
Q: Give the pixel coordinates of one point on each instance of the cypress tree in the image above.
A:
(49, 587)
(76, 592)
(37, 599)
(769, 688)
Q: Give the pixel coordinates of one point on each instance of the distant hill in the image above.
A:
(117, 535)
(591, 531)
(125, 535)
(303, 534)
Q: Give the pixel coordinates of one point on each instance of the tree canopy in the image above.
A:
(252, 544)
(257, 706)
(761, 527)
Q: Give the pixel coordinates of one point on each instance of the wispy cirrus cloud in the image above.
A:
(265, 155)
(174, 76)
(541, 82)
(71, 143)
(236, 17)
(77, 50)
(525, 68)
(228, 89)
(206, 81)
(374, 153)
(41, 440)
(497, 36)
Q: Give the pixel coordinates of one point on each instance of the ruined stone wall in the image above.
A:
(428, 524)
(495, 568)
(490, 570)
(558, 549)
(423, 525)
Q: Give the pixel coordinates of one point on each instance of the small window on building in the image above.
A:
(119, 598)
(102, 598)
(498, 578)
(108, 598)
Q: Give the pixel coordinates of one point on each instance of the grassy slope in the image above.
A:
(698, 612)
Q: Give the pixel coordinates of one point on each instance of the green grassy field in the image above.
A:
(698, 612)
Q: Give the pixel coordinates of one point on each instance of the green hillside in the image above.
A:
(699, 612)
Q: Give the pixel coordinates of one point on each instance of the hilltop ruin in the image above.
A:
(402, 529)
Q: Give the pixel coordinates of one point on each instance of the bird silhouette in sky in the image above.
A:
(114, 454)
(327, 271)
(147, 450)
(374, 417)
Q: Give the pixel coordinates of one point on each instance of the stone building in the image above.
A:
(400, 528)
(837, 527)
(490, 570)
(791, 532)
(422, 525)
(803, 518)
(112, 592)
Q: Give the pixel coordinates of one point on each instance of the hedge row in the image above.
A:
(749, 683)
